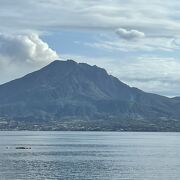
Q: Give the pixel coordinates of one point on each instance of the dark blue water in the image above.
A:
(89, 155)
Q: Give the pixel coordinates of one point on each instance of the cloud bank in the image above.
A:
(157, 17)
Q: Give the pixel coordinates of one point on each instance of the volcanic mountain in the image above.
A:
(66, 95)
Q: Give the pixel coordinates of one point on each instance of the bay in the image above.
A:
(89, 155)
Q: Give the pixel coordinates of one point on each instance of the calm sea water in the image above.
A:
(89, 156)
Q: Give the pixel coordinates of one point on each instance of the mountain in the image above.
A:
(66, 95)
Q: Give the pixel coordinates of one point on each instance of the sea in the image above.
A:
(44, 155)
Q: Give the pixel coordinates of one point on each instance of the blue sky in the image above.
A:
(134, 40)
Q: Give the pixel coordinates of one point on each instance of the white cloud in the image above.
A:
(20, 54)
(129, 35)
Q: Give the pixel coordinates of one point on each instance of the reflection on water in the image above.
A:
(89, 155)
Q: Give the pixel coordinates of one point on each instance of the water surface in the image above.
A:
(89, 155)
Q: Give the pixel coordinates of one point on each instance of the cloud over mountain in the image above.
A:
(26, 48)
(19, 53)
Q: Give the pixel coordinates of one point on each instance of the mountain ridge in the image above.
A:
(66, 95)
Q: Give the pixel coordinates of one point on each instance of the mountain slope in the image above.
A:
(76, 96)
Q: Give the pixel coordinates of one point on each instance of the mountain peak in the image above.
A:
(58, 61)
(72, 80)
(64, 66)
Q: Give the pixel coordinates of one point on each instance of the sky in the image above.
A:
(137, 41)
